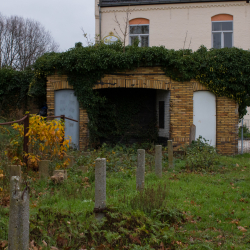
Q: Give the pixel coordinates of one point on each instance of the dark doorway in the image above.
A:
(128, 116)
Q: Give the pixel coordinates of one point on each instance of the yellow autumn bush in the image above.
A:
(45, 140)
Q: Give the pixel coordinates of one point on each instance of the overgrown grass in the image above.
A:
(207, 209)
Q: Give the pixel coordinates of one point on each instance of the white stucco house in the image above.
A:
(176, 24)
(173, 23)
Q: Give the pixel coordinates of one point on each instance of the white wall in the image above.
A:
(163, 95)
(169, 23)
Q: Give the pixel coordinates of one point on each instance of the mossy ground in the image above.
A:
(200, 210)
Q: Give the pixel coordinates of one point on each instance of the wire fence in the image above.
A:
(244, 136)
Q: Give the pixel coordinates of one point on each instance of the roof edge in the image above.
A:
(145, 2)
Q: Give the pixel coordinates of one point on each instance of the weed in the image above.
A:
(200, 155)
(151, 198)
(246, 132)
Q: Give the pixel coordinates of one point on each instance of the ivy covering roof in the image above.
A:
(109, 3)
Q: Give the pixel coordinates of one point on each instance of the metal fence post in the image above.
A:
(63, 118)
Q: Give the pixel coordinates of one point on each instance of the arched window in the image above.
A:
(222, 31)
(139, 29)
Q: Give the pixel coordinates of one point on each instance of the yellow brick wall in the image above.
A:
(181, 105)
(54, 83)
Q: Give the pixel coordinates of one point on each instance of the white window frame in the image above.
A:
(139, 35)
(222, 33)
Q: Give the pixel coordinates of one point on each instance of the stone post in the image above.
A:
(192, 133)
(140, 171)
(170, 154)
(158, 160)
(83, 169)
(18, 237)
(100, 187)
(71, 160)
(61, 173)
(15, 170)
(43, 169)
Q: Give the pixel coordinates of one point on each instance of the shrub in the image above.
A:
(45, 141)
(200, 155)
(246, 132)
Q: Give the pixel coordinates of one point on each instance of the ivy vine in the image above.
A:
(225, 72)
(14, 86)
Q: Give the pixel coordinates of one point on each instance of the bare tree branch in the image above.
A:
(123, 30)
(22, 41)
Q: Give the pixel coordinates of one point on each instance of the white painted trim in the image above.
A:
(177, 6)
(222, 32)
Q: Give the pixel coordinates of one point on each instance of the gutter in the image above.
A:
(126, 3)
(100, 20)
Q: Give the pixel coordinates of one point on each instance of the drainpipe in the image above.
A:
(100, 20)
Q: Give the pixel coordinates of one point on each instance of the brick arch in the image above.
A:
(139, 21)
(181, 104)
(222, 17)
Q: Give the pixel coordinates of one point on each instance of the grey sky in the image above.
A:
(63, 18)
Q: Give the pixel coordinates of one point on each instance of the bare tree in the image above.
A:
(88, 40)
(123, 28)
(22, 41)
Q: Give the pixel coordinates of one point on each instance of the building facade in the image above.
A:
(183, 103)
(175, 24)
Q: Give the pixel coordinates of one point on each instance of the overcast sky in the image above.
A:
(63, 18)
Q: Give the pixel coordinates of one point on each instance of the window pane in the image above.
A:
(219, 26)
(217, 40)
(145, 29)
(140, 29)
(227, 26)
(144, 41)
(228, 39)
(216, 26)
(133, 39)
(135, 29)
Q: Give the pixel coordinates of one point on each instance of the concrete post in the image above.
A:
(158, 160)
(170, 154)
(192, 133)
(43, 169)
(84, 169)
(86, 153)
(140, 171)
(62, 172)
(71, 160)
(100, 187)
(15, 170)
(18, 237)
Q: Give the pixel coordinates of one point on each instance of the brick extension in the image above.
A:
(181, 105)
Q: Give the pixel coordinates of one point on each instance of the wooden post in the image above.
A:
(26, 139)
(170, 154)
(15, 170)
(192, 133)
(43, 168)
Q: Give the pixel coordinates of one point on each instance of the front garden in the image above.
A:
(200, 204)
